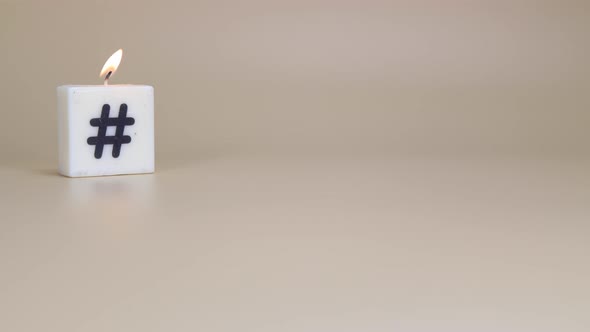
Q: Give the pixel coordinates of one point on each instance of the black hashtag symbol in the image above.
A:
(102, 123)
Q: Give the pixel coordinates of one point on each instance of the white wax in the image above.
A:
(127, 149)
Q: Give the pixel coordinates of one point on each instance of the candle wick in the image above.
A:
(106, 79)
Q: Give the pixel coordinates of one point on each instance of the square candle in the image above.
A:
(105, 129)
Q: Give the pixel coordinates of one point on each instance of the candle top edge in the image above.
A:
(102, 85)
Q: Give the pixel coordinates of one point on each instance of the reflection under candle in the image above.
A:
(119, 198)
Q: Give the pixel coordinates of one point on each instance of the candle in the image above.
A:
(105, 129)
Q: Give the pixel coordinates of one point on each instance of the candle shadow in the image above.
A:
(166, 162)
(30, 168)
(47, 172)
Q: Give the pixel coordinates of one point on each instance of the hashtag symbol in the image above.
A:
(101, 139)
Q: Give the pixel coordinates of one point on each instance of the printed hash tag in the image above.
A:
(102, 123)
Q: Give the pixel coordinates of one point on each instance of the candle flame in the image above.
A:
(111, 65)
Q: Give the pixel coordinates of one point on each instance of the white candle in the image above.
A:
(105, 129)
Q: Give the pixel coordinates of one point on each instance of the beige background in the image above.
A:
(409, 76)
(322, 166)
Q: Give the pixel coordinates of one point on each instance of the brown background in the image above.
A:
(389, 76)
(415, 166)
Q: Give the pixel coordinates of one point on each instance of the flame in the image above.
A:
(112, 64)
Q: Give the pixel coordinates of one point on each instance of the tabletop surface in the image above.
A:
(285, 243)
